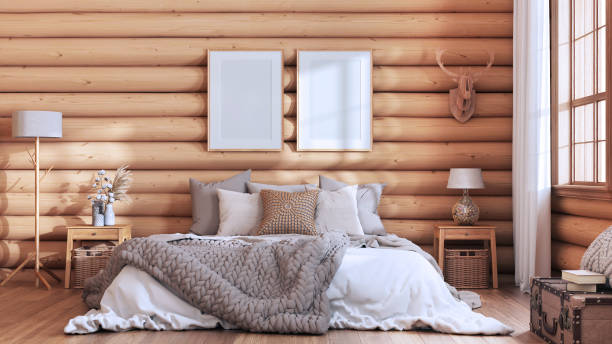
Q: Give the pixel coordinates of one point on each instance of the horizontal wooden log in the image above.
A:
(391, 206)
(103, 129)
(256, 25)
(192, 51)
(421, 231)
(433, 79)
(434, 104)
(108, 104)
(583, 207)
(577, 230)
(566, 256)
(195, 104)
(397, 182)
(439, 207)
(442, 129)
(191, 155)
(54, 227)
(12, 252)
(192, 79)
(102, 79)
(194, 129)
(505, 257)
(256, 6)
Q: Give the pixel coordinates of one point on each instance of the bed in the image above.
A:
(375, 286)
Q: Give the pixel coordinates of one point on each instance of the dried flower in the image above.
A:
(115, 191)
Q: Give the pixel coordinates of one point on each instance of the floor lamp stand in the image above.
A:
(35, 256)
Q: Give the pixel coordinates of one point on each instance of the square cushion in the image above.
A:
(368, 198)
(205, 203)
(239, 213)
(257, 187)
(288, 212)
(337, 211)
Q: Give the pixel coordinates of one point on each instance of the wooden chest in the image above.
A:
(561, 316)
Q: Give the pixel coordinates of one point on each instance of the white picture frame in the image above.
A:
(334, 100)
(245, 100)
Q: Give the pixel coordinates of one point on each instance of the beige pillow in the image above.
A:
(337, 211)
(288, 212)
(239, 213)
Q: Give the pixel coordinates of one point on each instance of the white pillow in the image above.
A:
(239, 213)
(337, 211)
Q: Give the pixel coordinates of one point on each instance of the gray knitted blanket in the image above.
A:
(598, 256)
(256, 285)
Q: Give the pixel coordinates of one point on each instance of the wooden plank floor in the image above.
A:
(29, 315)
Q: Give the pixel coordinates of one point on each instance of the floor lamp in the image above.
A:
(36, 124)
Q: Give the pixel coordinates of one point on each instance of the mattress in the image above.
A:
(374, 288)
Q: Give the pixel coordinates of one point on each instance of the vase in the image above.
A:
(465, 212)
(97, 213)
(109, 215)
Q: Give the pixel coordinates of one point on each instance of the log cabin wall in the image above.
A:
(575, 224)
(130, 78)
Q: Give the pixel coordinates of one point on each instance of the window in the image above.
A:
(579, 81)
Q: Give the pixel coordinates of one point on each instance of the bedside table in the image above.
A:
(119, 233)
(451, 232)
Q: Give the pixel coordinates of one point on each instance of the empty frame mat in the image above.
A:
(334, 100)
(245, 100)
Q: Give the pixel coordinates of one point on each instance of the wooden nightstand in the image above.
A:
(87, 232)
(451, 232)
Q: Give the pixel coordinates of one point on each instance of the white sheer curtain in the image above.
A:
(531, 141)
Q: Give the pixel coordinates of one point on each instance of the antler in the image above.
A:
(477, 75)
(439, 54)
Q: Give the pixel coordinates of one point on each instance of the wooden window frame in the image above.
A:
(594, 190)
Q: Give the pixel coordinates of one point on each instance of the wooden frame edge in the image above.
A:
(297, 98)
(282, 96)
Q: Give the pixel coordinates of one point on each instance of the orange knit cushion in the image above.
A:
(288, 212)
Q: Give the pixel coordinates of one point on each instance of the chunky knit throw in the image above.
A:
(256, 285)
(598, 256)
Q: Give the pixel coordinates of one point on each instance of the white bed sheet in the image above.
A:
(386, 289)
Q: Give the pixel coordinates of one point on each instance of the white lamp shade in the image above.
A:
(465, 178)
(37, 124)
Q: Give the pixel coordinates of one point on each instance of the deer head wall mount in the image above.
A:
(462, 100)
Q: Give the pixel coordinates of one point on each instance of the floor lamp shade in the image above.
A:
(37, 124)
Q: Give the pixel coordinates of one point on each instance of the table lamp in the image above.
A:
(465, 211)
(36, 124)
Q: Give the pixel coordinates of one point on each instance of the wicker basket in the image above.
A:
(87, 262)
(467, 267)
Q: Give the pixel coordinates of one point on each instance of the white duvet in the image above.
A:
(386, 289)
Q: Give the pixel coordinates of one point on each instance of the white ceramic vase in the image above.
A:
(109, 215)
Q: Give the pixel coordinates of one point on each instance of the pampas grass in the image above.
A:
(121, 184)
